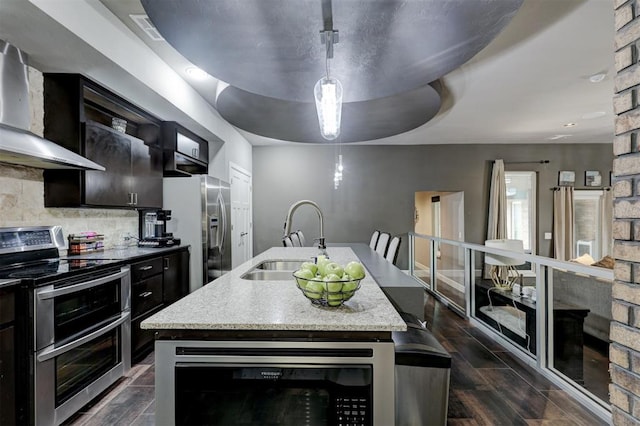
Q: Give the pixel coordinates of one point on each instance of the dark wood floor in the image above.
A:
(489, 386)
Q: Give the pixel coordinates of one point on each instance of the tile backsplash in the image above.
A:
(22, 204)
(22, 194)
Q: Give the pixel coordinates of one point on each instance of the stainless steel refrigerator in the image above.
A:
(201, 217)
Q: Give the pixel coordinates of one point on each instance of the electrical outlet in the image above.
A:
(547, 235)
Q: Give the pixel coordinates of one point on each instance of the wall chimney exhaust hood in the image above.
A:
(18, 145)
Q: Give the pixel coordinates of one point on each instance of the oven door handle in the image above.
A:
(50, 294)
(53, 352)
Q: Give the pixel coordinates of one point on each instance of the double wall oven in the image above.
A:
(73, 320)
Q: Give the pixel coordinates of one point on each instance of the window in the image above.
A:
(521, 208)
(592, 223)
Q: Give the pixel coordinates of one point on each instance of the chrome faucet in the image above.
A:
(293, 208)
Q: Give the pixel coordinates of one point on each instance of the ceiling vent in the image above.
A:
(145, 24)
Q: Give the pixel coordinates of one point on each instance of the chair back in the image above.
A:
(287, 242)
(392, 251)
(374, 239)
(295, 239)
(300, 235)
(383, 243)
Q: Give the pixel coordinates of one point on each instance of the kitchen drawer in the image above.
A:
(7, 306)
(141, 340)
(146, 295)
(147, 268)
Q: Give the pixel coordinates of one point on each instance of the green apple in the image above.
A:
(334, 299)
(322, 262)
(314, 289)
(349, 286)
(310, 266)
(303, 275)
(334, 268)
(355, 270)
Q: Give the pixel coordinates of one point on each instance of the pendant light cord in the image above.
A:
(326, 56)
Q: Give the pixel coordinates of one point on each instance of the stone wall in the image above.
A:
(22, 194)
(624, 389)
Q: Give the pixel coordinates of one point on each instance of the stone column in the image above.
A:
(624, 389)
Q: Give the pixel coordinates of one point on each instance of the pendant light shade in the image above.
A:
(328, 95)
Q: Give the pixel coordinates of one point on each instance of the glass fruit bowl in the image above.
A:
(327, 293)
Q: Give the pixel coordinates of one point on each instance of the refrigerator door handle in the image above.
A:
(223, 217)
(213, 231)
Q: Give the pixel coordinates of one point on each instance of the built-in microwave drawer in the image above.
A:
(146, 295)
(147, 268)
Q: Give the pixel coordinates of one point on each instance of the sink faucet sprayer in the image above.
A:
(293, 208)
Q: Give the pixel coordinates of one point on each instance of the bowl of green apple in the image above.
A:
(328, 283)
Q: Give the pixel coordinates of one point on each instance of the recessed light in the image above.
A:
(196, 73)
(597, 78)
(569, 124)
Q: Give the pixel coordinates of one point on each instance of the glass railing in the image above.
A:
(552, 314)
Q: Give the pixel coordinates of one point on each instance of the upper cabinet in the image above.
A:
(95, 123)
(185, 153)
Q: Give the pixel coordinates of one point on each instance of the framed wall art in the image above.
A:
(566, 178)
(592, 178)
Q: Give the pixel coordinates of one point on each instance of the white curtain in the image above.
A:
(497, 220)
(563, 218)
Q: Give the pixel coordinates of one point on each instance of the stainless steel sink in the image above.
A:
(267, 275)
(280, 265)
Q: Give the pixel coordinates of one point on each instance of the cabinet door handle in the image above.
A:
(146, 268)
(194, 152)
(135, 197)
(145, 294)
(130, 202)
(166, 263)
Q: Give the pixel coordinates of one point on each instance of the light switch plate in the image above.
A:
(547, 235)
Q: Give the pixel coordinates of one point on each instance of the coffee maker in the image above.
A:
(153, 229)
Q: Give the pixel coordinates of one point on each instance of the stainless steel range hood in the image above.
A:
(18, 145)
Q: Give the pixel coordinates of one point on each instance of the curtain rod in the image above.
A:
(604, 188)
(527, 162)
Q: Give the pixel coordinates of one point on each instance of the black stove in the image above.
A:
(32, 255)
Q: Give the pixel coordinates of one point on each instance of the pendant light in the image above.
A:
(328, 93)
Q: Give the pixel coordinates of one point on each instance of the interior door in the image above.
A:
(241, 235)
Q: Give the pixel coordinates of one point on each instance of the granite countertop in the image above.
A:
(232, 303)
(125, 253)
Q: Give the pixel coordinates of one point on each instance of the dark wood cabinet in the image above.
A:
(185, 153)
(176, 276)
(156, 282)
(93, 122)
(8, 390)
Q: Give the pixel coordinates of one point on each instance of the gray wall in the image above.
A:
(379, 184)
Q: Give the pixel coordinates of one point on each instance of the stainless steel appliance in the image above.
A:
(74, 324)
(275, 382)
(153, 229)
(201, 217)
(17, 144)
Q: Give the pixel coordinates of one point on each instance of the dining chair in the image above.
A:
(287, 242)
(392, 251)
(300, 235)
(374, 239)
(383, 243)
(295, 239)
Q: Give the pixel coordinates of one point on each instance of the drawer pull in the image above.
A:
(145, 294)
(146, 268)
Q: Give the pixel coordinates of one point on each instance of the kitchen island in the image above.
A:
(268, 329)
